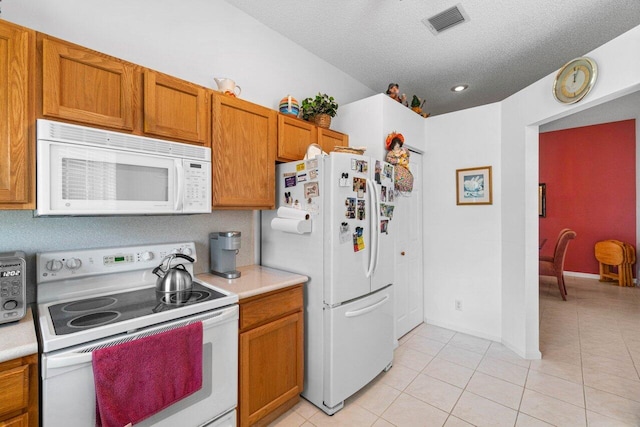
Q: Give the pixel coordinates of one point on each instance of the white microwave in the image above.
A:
(88, 171)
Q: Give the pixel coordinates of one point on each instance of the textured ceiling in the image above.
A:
(505, 46)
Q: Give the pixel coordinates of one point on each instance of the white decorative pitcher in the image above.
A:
(228, 86)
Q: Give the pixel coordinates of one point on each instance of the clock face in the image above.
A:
(574, 80)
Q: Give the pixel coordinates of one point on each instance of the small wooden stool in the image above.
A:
(614, 253)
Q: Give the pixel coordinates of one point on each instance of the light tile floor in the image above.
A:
(589, 372)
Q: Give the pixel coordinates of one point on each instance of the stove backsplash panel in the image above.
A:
(22, 231)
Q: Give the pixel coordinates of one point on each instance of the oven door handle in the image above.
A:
(70, 359)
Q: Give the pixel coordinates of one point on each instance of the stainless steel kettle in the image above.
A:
(173, 283)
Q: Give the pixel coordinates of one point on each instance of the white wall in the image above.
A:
(618, 64)
(195, 40)
(369, 121)
(462, 243)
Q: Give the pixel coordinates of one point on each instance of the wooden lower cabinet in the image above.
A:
(271, 355)
(19, 392)
(19, 421)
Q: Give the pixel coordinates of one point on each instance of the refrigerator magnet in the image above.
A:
(384, 226)
(312, 208)
(388, 171)
(361, 210)
(299, 167)
(360, 186)
(386, 210)
(313, 174)
(344, 234)
(290, 180)
(358, 240)
(350, 203)
(383, 193)
(302, 177)
(312, 164)
(378, 171)
(362, 166)
(353, 164)
(311, 189)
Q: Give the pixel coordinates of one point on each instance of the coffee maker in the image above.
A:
(223, 247)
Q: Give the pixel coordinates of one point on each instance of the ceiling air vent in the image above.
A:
(447, 19)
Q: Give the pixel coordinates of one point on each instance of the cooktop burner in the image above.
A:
(70, 317)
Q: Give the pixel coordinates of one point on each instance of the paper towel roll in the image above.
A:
(291, 225)
(291, 213)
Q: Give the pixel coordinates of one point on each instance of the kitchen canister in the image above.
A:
(289, 105)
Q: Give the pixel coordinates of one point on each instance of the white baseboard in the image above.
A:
(583, 275)
(530, 355)
(587, 275)
(463, 330)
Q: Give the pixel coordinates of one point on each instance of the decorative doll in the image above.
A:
(399, 157)
(394, 93)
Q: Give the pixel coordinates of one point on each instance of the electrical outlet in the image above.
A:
(459, 305)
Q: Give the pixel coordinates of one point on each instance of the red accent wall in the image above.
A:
(590, 174)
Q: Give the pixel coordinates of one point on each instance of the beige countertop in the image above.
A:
(254, 280)
(18, 339)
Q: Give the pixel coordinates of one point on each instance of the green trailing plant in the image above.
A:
(321, 104)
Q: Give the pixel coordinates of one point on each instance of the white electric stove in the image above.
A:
(91, 299)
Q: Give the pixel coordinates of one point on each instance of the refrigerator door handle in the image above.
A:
(367, 309)
(376, 227)
(374, 241)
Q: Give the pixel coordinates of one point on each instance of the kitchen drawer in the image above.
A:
(14, 389)
(264, 308)
(19, 421)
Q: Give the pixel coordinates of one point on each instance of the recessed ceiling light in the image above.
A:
(459, 88)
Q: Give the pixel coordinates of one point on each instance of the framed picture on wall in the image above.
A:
(473, 186)
(542, 200)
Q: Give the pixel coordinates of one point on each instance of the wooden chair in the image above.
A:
(550, 257)
(554, 266)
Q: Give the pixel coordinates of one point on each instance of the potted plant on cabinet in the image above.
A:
(319, 109)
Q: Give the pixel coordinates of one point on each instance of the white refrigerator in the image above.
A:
(347, 253)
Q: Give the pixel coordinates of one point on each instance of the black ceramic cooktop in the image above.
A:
(80, 315)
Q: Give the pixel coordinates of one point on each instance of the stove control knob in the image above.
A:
(147, 256)
(54, 265)
(175, 251)
(187, 251)
(73, 263)
(10, 304)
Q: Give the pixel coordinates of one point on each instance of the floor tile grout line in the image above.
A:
(584, 391)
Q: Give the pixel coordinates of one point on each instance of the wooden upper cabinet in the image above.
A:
(329, 139)
(175, 109)
(17, 124)
(243, 142)
(294, 136)
(85, 86)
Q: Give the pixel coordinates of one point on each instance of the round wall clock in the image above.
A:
(574, 80)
